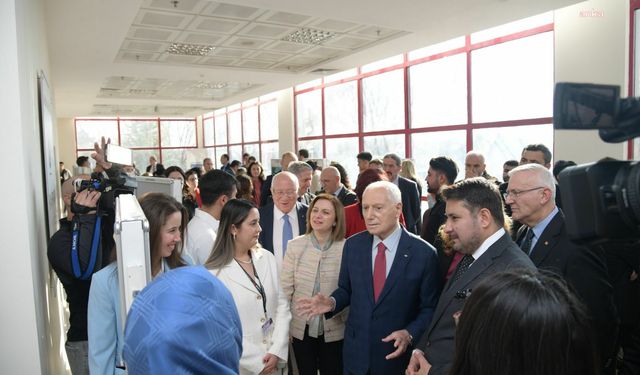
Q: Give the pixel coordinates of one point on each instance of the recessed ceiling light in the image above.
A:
(190, 49)
(309, 36)
(211, 85)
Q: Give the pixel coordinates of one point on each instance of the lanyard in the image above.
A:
(75, 262)
(257, 285)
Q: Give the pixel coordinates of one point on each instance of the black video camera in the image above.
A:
(601, 200)
(110, 187)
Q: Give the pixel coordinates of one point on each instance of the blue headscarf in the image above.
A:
(184, 322)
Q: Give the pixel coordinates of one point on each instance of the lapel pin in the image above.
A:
(546, 243)
(405, 255)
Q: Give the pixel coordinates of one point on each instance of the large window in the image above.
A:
(491, 91)
(250, 127)
(171, 141)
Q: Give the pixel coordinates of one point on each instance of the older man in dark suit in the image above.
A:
(410, 198)
(475, 224)
(265, 195)
(330, 179)
(543, 236)
(285, 218)
(389, 278)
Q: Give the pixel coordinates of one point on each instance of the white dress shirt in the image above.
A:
(391, 243)
(278, 223)
(201, 235)
(487, 244)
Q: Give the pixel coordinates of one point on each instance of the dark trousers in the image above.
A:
(314, 354)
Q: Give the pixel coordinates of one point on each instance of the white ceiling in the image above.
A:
(109, 57)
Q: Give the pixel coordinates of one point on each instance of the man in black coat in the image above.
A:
(543, 236)
(330, 179)
(442, 172)
(410, 198)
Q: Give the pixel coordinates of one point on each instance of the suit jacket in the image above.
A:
(410, 204)
(266, 222)
(265, 191)
(347, 197)
(306, 198)
(406, 302)
(438, 341)
(585, 270)
(431, 221)
(251, 311)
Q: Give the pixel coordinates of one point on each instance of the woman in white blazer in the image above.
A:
(251, 275)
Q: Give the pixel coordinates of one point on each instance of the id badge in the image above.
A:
(267, 327)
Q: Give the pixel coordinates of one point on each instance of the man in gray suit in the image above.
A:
(475, 226)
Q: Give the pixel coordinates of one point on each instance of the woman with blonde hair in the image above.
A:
(408, 171)
(251, 275)
(311, 265)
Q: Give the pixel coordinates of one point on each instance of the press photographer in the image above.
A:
(81, 247)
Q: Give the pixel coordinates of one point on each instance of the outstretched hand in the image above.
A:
(99, 154)
(316, 305)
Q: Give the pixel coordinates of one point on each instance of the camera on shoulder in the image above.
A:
(601, 200)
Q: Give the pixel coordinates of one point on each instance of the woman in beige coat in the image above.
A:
(251, 275)
(311, 265)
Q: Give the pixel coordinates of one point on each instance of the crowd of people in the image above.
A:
(299, 272)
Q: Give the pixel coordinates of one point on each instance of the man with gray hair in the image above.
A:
(392, 165)
(330, 178)
(474, 166)
(390, 280)
(284, 218)
(304, 173)
(543, 236)
(285, 160)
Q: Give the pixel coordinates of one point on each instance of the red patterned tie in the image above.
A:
(379, 271)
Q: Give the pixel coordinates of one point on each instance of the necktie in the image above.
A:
(287, 233)
(463, 266)
(526, 242)
(379, 271)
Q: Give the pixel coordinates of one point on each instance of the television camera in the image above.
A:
(601, 200)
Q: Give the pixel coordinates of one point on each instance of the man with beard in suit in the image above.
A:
(475, 224)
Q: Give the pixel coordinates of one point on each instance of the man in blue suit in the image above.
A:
(285, 218)
(389, 278)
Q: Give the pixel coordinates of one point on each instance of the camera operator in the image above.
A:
(81, 220)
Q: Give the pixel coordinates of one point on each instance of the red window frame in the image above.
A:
(158, 120)
(226, 112)
(407, 131)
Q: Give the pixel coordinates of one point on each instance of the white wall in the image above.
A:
(67, 142)
(26, 343)
(286, 121)
(591, 40)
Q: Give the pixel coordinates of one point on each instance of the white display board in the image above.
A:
(131, 231)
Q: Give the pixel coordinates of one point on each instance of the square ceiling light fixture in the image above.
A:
(211, 85)
(190, 49)
(309, 36)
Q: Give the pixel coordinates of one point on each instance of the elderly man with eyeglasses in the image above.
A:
(543, 236)
(285, 218)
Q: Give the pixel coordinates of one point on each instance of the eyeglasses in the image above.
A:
(281, 193)
(516, 193)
